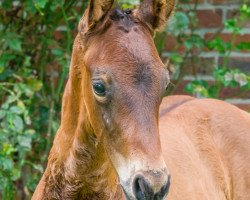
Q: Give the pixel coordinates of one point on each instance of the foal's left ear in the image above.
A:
(95, 12)
(156, 12)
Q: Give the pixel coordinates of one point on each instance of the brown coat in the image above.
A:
(206, 145)
(115, 139)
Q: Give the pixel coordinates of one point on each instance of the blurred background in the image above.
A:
(206, 47)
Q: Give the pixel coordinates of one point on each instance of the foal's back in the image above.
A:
(206, 145)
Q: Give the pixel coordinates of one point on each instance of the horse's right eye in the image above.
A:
(99, 89)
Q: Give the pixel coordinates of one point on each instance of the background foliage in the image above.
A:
(184, 26)
(34, 63)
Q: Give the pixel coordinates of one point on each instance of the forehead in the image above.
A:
(123, 40)
(125, 50)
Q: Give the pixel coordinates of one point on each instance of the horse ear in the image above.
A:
(95, 12)
(156, 12)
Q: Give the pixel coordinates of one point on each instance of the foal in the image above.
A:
(109, 125)
(108, 145)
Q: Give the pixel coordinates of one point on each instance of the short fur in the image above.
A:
(101, 140)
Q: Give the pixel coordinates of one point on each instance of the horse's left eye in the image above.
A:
(99, 89)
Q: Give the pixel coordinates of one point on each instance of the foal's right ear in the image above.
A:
(95, 12)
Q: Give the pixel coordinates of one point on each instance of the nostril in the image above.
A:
(164, 190)
(142, 189)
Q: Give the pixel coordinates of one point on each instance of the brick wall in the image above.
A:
(211, 16)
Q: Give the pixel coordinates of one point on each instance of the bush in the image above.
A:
(184, 27)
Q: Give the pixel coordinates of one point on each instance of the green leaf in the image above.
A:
(188, 44)
(23, 88)
(15, 44)
(6, 163)
(5, 106)
(178, 24)
(27, 61)
(25, 141)
(198, 88)
(57, 52)
(35, 85)
(16, 110)
(30, 132)
(8, 149)
(2, 114)
(194, 41)
(4, 59)
(189, 88)
(232, 25)
(243, 46)
(29, 6)
(18, 123)
(7, 4)
(177, 58)
(40, 3)
(16, 174)
(214, 91)
(1, 68)
(245, 10)
(12, 99)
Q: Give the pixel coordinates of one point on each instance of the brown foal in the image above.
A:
(115, 139)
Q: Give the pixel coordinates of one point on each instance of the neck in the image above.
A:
(78, 166)
(85, 173)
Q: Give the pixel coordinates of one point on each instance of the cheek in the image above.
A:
(124, 165)
(109, 117)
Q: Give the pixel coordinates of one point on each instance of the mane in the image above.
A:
(123, 19)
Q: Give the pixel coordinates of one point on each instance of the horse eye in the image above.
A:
(99, 89)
